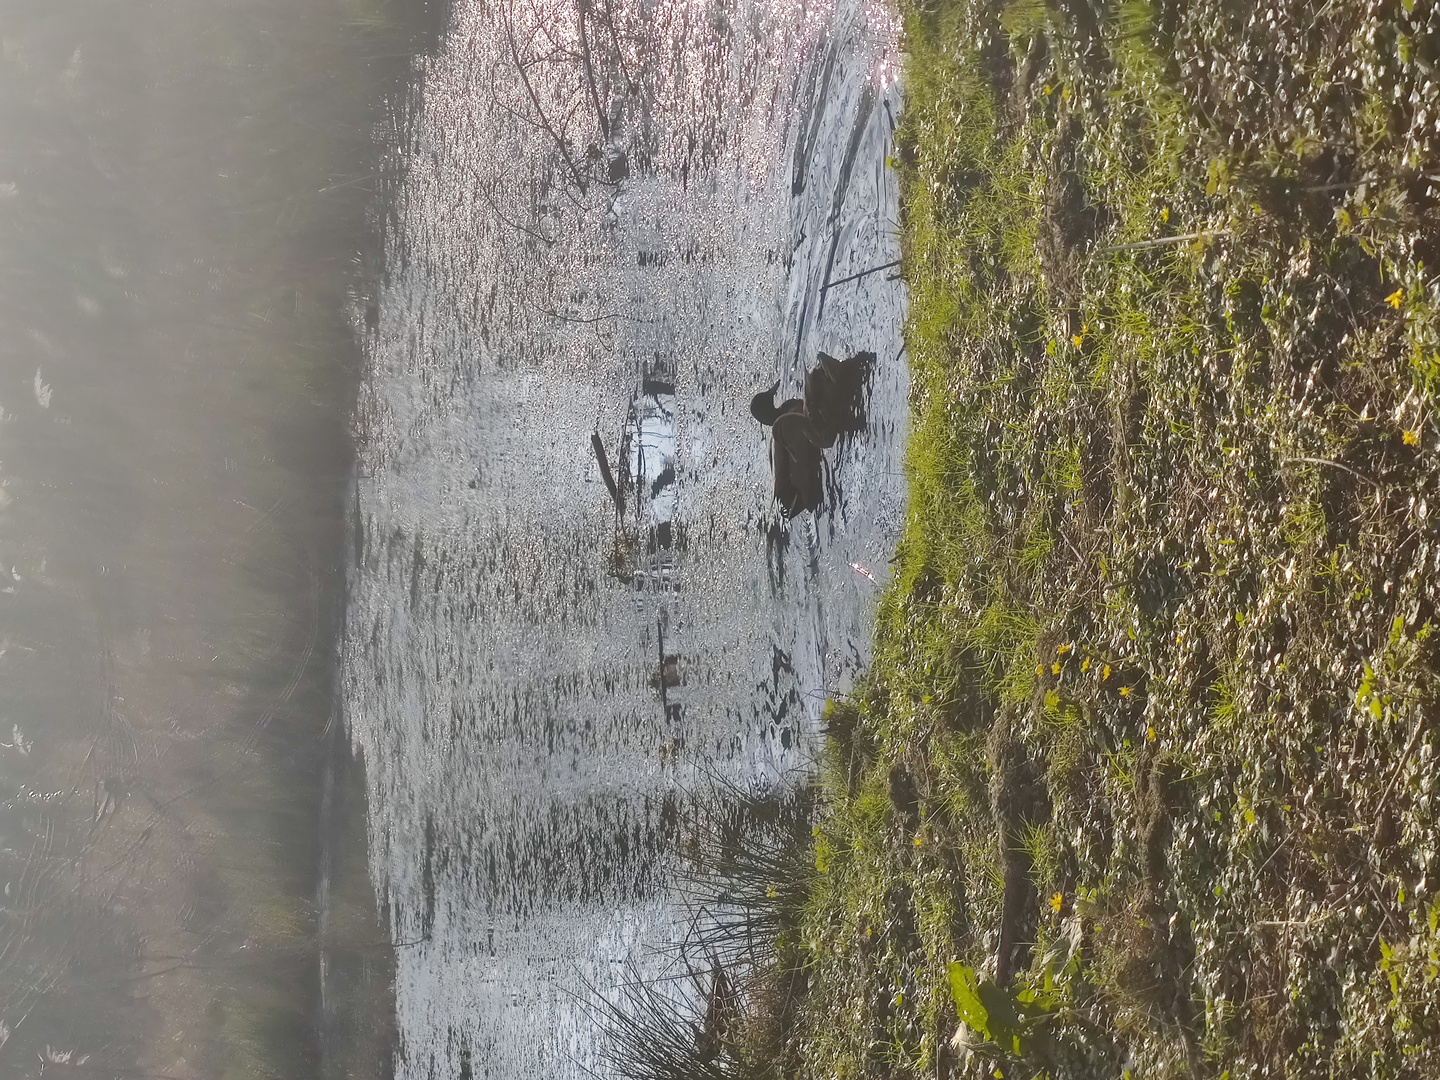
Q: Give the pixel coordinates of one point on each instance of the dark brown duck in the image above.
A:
(833, 403)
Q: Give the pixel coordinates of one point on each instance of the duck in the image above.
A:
(796, 462)
(835, 393)
(802, 428)
(833, 397)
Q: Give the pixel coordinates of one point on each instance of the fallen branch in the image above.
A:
(1409, 174)
(1337, 465)
(1399, 768)
(856, 277)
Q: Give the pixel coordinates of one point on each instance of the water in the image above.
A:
(183, 201)
(628, 241)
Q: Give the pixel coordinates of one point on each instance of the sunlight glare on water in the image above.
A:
(620, 221)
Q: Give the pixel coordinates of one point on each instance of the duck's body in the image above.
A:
(795, 462)
(833, 404)
(835, 394)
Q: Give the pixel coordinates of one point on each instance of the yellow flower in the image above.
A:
(1077, 340)
(1394, 298)
(1039, 669)
(1105, 673)
(1057, 902)
(1149, 732)
(772, 892)
(919, 839)
(1055, 668)
(1063, 650)
(1165, 214)
(1049, 89)
(1125, 691)
(1412, 438)
(1085, 665)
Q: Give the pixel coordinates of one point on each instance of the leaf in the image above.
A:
(1006, 1023)
(965, 990)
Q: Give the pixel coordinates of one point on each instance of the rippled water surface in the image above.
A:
(616, 221)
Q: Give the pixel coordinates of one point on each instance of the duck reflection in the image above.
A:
(832, 404)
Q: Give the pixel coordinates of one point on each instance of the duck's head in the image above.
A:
(762, 405)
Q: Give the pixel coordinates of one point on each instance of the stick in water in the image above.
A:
(605, 473)
(857, 277)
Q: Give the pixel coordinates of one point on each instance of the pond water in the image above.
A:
(616, 223)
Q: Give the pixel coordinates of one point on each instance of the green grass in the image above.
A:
(1158, 663)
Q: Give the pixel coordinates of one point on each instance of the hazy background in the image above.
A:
(187, 199)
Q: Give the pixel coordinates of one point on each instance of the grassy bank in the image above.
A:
(1142, 780)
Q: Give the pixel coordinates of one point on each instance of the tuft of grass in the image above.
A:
(655, 1032)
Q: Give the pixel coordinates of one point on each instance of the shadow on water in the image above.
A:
(186, 202)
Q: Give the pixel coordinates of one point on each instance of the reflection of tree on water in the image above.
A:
(647, 536)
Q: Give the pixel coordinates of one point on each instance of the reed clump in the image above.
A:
(736, 978)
